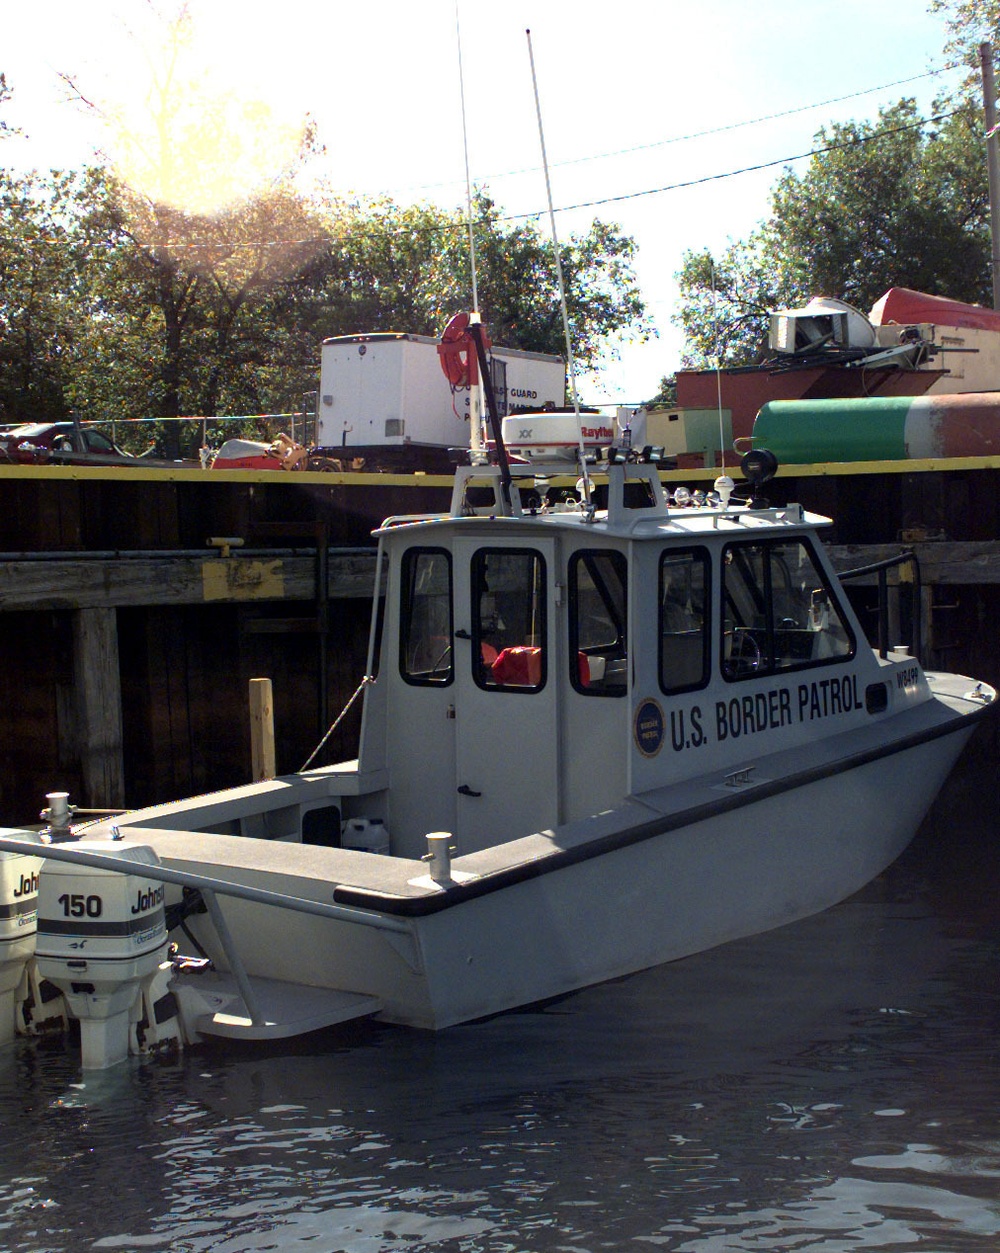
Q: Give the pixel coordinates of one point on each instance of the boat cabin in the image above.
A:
(536, 667)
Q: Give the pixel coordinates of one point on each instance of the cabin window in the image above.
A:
(684, 635)
(779, 613)
(508, 619)
(598, 582)
(425, 626)
(379, 624)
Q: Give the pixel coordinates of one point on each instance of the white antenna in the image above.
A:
(468, 180)
(723, 484)
(718, 366)
(585, 479)
(475, 392)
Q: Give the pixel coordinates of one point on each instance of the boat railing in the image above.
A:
(210, 888)
(887, 591)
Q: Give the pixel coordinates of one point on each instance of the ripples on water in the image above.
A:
(832, 1086)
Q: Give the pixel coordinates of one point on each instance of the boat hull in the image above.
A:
(735, 874)
(573, 909)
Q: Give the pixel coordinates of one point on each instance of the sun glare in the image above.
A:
(182, 129)
(203, 155)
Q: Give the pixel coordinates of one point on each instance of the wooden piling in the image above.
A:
(262, 756)
(97, 683)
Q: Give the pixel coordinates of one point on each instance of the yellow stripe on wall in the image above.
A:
(243, 580)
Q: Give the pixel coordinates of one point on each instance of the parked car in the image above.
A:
(60, 443)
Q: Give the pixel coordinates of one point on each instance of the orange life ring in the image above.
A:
(457, 352)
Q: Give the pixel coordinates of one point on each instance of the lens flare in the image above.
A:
(189, 123)
(203, 155)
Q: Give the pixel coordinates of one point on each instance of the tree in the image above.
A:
(724, 305)
(43, 266)
(666, 393)
(205, 223)
(389, 267)
(209, 278)
(898, 202)
(969, 23)
(5, 95)
(158, 299)
(519, 293)
(118, 306)
(867, 215)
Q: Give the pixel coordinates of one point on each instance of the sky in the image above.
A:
(635, 98)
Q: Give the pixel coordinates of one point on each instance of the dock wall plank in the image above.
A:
(121, 581)
(93, 582)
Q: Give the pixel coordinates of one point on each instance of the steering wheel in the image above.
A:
(745, 655)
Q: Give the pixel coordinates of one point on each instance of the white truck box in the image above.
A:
(388, 389)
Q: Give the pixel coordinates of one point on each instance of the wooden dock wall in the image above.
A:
(180, 724)
(83, 509)
(128, 643)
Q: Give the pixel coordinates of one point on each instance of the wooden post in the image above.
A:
(99, 706)
(261, 730)
(928, 640)
(895, 621)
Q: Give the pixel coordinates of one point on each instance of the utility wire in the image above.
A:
(706, 134)
(859, 142)
(447, 228)
(746, 169)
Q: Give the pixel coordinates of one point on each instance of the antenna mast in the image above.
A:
(724, 485)
(718, 367)
(476, 451)
(570, 360)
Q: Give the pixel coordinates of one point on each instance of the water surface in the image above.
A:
(829, 1087)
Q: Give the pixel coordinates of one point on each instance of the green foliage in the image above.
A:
(519, 292)
(5, 95)
(118, 306)
(897, 202)
(666, 394)
(44, 272)
(393, 268)
(189, 277)
(969, 23)
(724, 304)
(869, 215)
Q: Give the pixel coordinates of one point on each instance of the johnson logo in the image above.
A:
(148, 899)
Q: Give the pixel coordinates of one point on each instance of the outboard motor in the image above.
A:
(102, 938)
(18, 924)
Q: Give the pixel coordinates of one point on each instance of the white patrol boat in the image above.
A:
(596, 737)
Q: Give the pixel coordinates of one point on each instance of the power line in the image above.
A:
(766, 117)
(708, 178)
(746, 169)
(449, 227)
(705, 134)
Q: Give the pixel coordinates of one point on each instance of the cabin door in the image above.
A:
(506, 678)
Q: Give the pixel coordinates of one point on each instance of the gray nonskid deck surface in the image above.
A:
(309, 870)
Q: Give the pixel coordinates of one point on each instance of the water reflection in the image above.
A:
(829, 1087)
